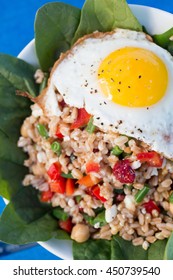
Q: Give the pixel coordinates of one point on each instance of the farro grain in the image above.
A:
(159, 235)
(141, 219)
(169, 226)
(127, 236)
(151, 239)
(137, 241)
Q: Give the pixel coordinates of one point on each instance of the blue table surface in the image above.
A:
(17, 30)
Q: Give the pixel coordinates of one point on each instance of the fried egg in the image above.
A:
(124, 80)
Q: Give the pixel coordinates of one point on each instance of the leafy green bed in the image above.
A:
(25, 219)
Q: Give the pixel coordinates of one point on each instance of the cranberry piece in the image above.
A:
(120, 197)
(123, 172)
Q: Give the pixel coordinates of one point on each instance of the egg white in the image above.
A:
(75, 77)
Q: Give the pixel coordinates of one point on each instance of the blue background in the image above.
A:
(17, 30)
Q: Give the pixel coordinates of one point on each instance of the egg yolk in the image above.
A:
(133, 77)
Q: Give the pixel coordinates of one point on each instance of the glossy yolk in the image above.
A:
(133, 77)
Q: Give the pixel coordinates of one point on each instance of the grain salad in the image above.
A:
(99, 183)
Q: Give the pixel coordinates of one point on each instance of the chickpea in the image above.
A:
(24, 130)
(80, 233)
(38, 169)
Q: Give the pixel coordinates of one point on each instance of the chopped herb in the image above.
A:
(100, 218)
(171, 198)
(78, 198)
(139, 196)
(56, 147)
(118, 191)
(67, 175)
(42, 130)
(90, 126)
(116, 151)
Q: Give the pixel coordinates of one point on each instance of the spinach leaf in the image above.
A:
(168, 255)
(26, 220)
(55, 26)
(14, 74)
(11, 176)
(124, 250)
(105, 15)
(18, 74)
(115, 249)
(62, 234)
(156, 250)
(92, 250)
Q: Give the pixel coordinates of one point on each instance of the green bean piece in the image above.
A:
(42, 130)
(139, 196)
(59, 213)
(78, 198)
(90, 126)
(67, 175)
(56, 147)
(171, 198)
(116, 151)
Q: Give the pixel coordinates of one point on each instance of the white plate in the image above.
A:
(155, 21)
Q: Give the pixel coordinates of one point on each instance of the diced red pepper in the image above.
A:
(70, 186)
(54, 171)
(46, 196)
(123, 172)
(82, 119)
(150, 206)
(152, 158)
(58, 133)
(88, 181)
(66, 225)
(92, 166)
(96, 192)
(58, 186)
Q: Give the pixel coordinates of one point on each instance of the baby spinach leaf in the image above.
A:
(26, 220)
(168, 255)
(62, 234)
(18, 74)
(115, 249)
(55, 26)
(9, 150)
(124, 250)
(105, 15)
(15, 74)
(156, 250)
(92, 250)
(11, 176)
